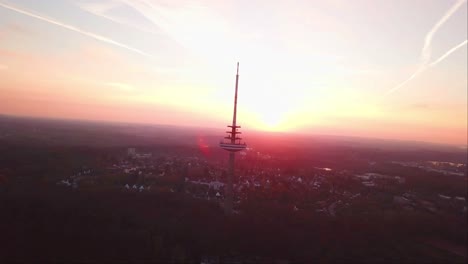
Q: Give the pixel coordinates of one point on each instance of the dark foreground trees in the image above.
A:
(57, 224)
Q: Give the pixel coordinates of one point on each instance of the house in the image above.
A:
(445, 197)
(401, 200)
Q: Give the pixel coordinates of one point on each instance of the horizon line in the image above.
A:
(255, 131)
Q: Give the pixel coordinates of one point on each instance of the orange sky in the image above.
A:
(368, 69)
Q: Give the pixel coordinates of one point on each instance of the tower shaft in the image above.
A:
(233, 145)
(229, 190)
(232, 155)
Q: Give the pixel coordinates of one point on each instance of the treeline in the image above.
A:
(422, 181)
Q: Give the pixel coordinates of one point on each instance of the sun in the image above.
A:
(269, 117)
(272, 121)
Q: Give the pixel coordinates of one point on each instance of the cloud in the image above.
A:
(103, 10)
(420, 106)
(426, 51)
(16, 29)
(9, 30)
(121, 86)
(358, 71)
(75, 29)
(99, 8)
(194, 26)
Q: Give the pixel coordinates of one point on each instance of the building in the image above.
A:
(131, 152)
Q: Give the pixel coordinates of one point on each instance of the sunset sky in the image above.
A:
(370, 68)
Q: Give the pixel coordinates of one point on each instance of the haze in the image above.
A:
(382, 69)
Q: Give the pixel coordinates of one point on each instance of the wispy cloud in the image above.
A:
(99, 8)
(426, 51)
(16, 29)
(104, 10)
(121, 86)
(419, 106)
(74, 28)
(192, 25)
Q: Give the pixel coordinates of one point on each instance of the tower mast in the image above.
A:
(233, 145)
(234, 116)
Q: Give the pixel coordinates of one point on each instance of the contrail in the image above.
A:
(416, 73)
(448, 53)
(149, 11)
(100, 11)
(427, 48)
(426, 51)
(75, 29)
(422, 68)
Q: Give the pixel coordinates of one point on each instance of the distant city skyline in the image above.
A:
(380, 69)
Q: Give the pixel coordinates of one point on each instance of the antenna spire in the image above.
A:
(234, 118)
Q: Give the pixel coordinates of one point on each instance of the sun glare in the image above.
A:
(272, 122)
(268, 117)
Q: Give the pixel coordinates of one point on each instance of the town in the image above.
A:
(321, 190)
(160, 196)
